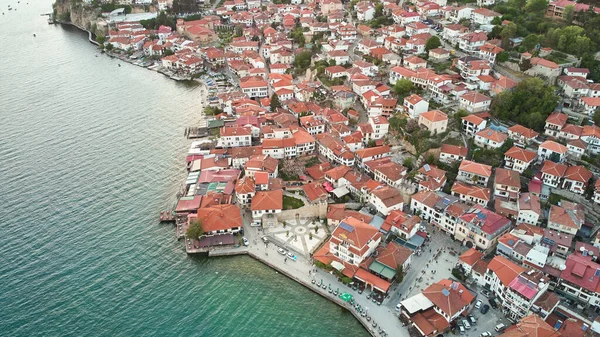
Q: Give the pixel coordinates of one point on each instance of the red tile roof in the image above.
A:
(267, 200)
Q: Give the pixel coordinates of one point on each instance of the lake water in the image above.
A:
(89, 153)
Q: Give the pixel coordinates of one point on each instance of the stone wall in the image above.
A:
(307, 211)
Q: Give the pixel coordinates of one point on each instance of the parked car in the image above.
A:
(486, 334)
(398, 307)
(486, 293)
(466, 324)
(478, 304)
(461, 329)
(265, 239)
(281, 251)
(246, 242)
(472, 320)
(485, 308)
(292, 256)
(493, 303)
(500, 327)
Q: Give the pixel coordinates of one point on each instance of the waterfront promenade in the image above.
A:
(384, 316)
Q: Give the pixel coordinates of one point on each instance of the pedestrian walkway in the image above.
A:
(303, 272)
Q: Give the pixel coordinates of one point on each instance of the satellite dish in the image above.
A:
(590, 253)
(582, 249)
(562, 267)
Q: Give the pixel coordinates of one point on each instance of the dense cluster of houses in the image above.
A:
(485, 208)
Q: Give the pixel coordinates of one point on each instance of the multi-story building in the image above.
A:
(235, 136)
(474, 173)
(481, 227)
(352, 241)
(568, 217)
(518, 159)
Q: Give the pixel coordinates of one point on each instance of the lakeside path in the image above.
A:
(385, 317)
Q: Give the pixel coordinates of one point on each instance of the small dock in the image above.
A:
(196, 132)
(167, 216)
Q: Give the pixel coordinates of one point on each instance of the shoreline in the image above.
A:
(306, 284)
(310, 286)
(289, 275)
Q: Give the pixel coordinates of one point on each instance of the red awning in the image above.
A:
(376, 282)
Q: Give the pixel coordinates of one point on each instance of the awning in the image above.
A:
(337, 265)
(377, 283)
(340, 192)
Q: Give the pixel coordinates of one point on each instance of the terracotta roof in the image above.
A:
(554, 169)
(521, 130)
(338, 212)
(543, 62)
(518, 153)
(235, 131)
(581, 271)
(507, 177)
(219, 217)
(568, 214)
(448, 296)
(428, 198)
(473, 119)
(475, 97)
(267, 200)
(475, 168)
(372, 151)
(413, 99)
(245, 185)
(430, 321)
(471, 256)
(392, 170)
(557, 118)
(314, 191)
(478, 192)
(505, 269)
(554, 146)
(578, 173)
(591, 131)
(455, 150)
(359, 235)
(487, 221)
(393, 255)
(389, 196)
(487, 133)
(338, 172)
(434, 116)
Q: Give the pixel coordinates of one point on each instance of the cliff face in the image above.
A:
(84, 16)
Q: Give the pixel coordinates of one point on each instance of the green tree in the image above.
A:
(530, 41)
(596, 117)
(275, 103)
(525, 65)
(502, 56)
(195, 230)
(568, 13)
(408, 163)
(403, 88)
(528, 104)
(371, 143)
(536, 6)
(100, 39)
(497, 21)
(432, 43)
(108, 47)
(302, 61)
(399, 273)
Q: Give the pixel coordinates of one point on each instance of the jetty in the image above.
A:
(196, 132)
(167, 216)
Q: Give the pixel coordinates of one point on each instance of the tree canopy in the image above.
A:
(432, 43)
(529, 104)
(195, 230)
(275, 103)
(403, 88)
(302, 61)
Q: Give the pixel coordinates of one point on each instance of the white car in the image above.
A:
(486, 334)
(281, 251)
(398, 307)
(478, 304)
(246, 242)
(466, 324)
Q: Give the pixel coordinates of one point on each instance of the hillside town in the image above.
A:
(436, 163)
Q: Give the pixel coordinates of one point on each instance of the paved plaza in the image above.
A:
(298, 235)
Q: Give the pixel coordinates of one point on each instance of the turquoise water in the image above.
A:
(89, 153)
